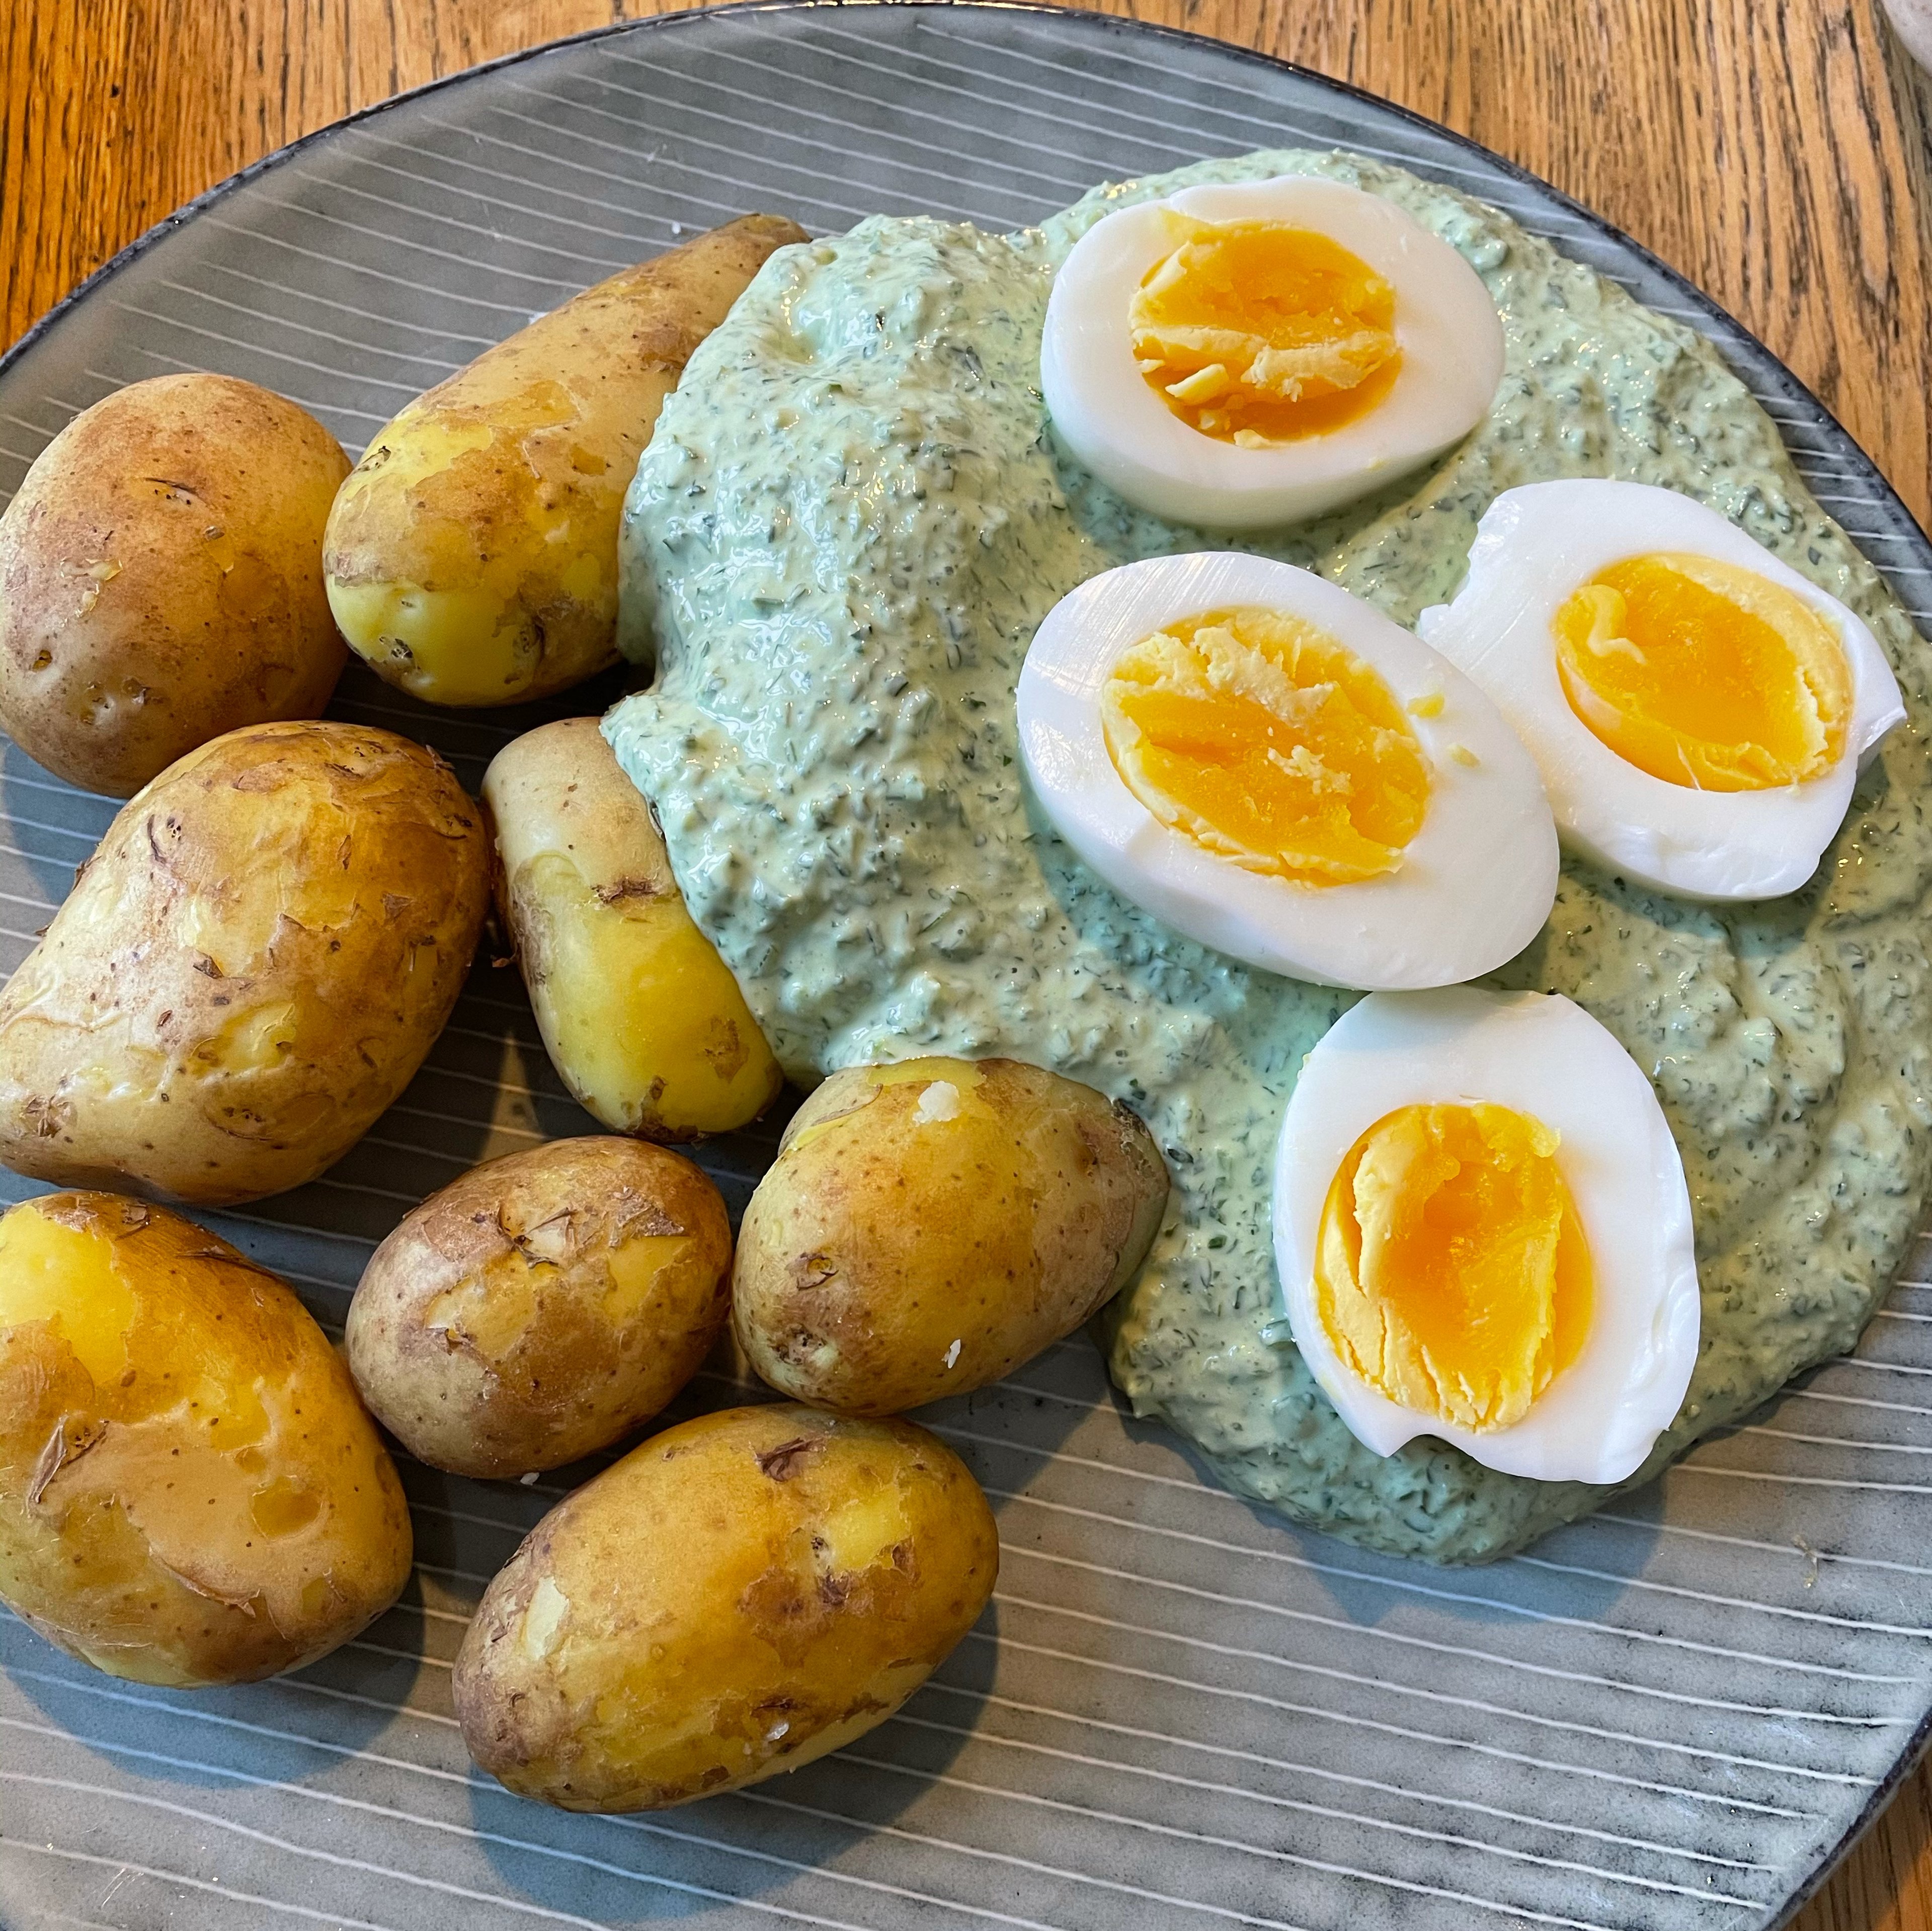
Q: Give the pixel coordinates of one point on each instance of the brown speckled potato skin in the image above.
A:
(160, 579)
(507, 478)
(512, 1323)
(737, 1597)
(248, 970)
(641, 1018)
(887, 1259)
(222, 1508)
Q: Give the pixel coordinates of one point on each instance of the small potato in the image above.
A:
(190, 1492)
(542, 1306)
(740, 1595)
(248, 970)
(472, 556)
(928, 1227)
(160, 579)
(643, 1019)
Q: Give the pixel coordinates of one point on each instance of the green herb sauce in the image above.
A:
(848, 522)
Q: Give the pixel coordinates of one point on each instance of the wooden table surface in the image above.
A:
(1775, 150)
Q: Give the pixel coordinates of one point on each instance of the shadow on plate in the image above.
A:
(797, 1827)
(1368, 1588)
(53, 828)
(287, 1729)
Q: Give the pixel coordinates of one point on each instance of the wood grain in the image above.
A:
(1775, 150)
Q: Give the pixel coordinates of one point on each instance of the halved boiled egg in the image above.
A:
(1698, 709)
(1273, 767)
(1253, 353)
(1483, 1234)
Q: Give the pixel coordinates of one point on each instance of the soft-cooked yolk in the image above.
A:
(1451, 1271)
(1704, 674)
(1267, 742)
(1257, 332)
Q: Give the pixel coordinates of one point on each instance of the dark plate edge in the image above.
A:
(208, 196)
(1908, 1760)
(1089, 21)
(1883, 1791)
(1799, 392)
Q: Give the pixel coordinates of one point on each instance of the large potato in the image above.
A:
(248, 970)
(737, 1597)
(190, 1492)
(472, 556)
(929, 1226)
(643, 1019)
(160, 578)
(542, 1306)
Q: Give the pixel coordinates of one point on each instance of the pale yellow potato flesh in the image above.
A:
(542, 1306)
(930, 1225)
(642, 1019)
(737, 1597)
(160, 578)
(249, 970)
(472, 556)
(191, 1492)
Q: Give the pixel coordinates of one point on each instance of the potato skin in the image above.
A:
(248, 970)
(929, 1226)
(190, 1492)
(160, 579)
(472, 556)
(741, 1594)
(542, 1306)
(642, 1019)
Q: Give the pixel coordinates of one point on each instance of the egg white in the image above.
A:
(1534, 546)
(1104, 410)
(1474, 886)
(1599, 1417)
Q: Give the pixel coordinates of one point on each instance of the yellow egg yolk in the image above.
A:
(1263, 740)
(1256, 332)
(1451, 1271)
(1704, 674)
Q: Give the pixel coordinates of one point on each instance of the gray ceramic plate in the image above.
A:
(1179, 1712)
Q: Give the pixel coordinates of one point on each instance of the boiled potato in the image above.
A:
(160, 579)
(248, 970)
(642, 1019)
(927, 1227)
(190, 1492)
(472, 556)
(542, 1306)
(739, 1595)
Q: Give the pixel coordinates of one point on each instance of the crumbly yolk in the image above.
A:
(1451, 1271)
(1263, 740)
(1256, 332)
(1704, 674)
